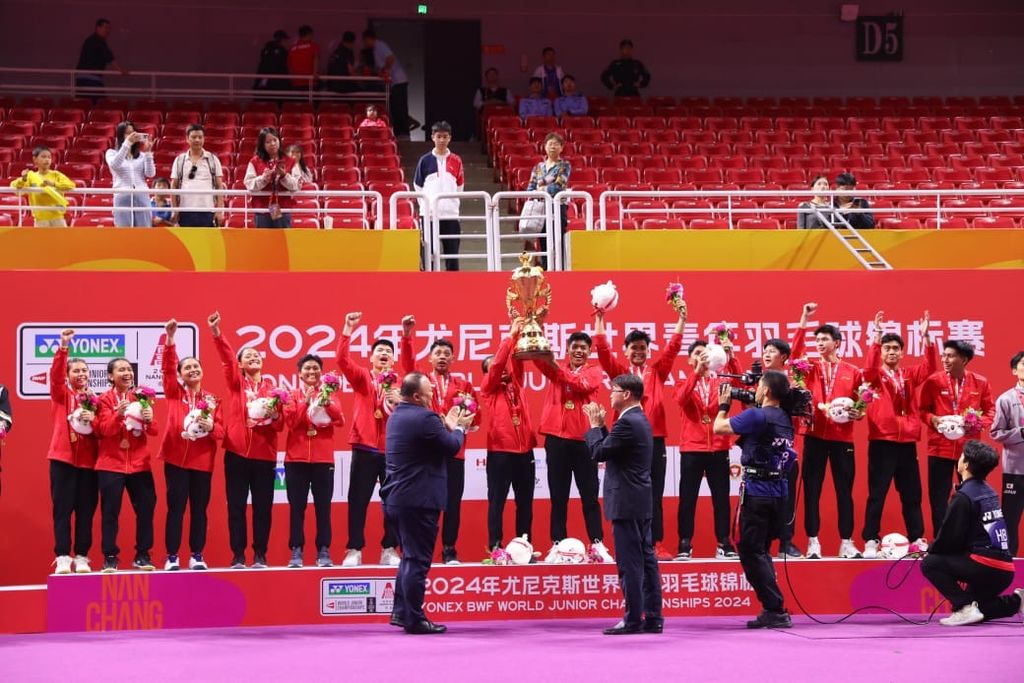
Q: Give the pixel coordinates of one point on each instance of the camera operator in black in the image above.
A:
(766, 439)
(969, 562)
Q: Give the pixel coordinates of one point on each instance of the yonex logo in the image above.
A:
(341, 588)
(82, 346)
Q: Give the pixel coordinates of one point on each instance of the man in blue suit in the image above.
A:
(415, 491)
(628, 502)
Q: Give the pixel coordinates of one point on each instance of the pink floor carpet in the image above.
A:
(867, 648)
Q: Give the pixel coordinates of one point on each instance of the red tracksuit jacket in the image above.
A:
(190, 455)
(894, 414)
(318, 447)
(572, 388)
(509, 428)
(258, 443)
(81, 452)
(697, 432)
(114, 455)
(368, 430)
(937, 400)
(828, 381)
(654, 376)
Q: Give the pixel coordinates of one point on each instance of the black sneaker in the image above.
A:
(238, 562)
(143, 562)
(685, 551)
(725, 551)
(110, 564)
(790, 552)
(767, 619)
(323, 557)
(259, 561)
(448, 555)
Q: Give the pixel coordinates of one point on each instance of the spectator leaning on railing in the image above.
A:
(197, 169)
(49, 202)
(270, 171)
(130, 163)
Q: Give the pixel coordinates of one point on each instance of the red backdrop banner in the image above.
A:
(289, 314)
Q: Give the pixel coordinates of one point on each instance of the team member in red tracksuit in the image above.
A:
(72, 456)
(250, 448)
(563, 424)
(311, 415)
(447, 388)
(637, 345)
(951, 391)
(188, 463)
(894, 428)
(828, 443)
(510, 441)
(375, 401)
(702, 453)
(123, 463)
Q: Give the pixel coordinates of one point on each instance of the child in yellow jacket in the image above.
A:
(50, 200)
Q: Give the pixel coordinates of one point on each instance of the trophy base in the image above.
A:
(534, 354)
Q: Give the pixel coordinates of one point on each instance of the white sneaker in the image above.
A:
(813, 548)
(918, 546)
(353, 558)
(82, 564)
(848, 551)
(389, 557)
(964, 617)
(601, 551)
(871, 550)
(172, 564)
(197, 562)
(63, 563)
(552, 554)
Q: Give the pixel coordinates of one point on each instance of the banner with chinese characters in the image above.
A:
(286, 315)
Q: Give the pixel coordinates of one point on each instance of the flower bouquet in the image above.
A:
(800, 368)
(86, 402)
(317, 411)
(866, 395)
(674, 296)
(133, 421)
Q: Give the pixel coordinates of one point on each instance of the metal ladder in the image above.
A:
(848, 236)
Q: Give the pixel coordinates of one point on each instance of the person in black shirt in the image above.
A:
(94, 56)
(343, 63)
(846, 183)
(625, 76)
(969, 562)
(273, 60)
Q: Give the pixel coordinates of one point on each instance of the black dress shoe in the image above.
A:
(622, 629)
(653, 625)
(396, 621)
(768, 619)
(425, 627)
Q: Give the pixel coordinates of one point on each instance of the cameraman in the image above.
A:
(766, 439)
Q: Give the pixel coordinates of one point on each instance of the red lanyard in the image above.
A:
(440, 390)
(704, 390)
(897, 379)
(955, 391)
(829, 372)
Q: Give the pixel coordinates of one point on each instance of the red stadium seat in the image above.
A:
(708, 224)
(758, 224)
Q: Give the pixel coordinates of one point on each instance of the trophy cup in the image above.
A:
(529, 297)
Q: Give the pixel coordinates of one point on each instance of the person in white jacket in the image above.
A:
(438, 172)
(130, 163)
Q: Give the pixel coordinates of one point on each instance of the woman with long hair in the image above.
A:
(194, 426)
(72, 456)
(312, 413)
(124, 423)
(270, 178)
(301, 170)
(252, 420)
(130, 163)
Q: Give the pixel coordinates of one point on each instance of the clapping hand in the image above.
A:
(457, 417)
(595, 413)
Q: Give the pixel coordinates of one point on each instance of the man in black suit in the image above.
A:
(415, 491)
(628, 502)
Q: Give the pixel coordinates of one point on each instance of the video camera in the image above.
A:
(798, 404)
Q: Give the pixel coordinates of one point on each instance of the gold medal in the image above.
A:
(377, 414)
(311, 432)
(124, 444)
(569, 405)
(515, 420)
(706, 420)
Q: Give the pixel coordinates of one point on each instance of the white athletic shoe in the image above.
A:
(63, 563)
(964, 617)
(353, 558)
(389, 557)
(813, 548)
(552, 554)
(82, 564)
(601, 550)
(918, 546)
(197, 562)
(871, 550)
(848, 551)
(172, 564)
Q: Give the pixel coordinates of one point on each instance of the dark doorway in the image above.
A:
(443, 63)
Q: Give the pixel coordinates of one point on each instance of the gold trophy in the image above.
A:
(529, 297)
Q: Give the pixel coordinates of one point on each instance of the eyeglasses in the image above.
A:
(617, 391)
(192, 173)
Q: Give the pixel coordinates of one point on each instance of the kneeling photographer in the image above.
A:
(766, 439)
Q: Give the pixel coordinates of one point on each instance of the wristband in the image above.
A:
(723, 407)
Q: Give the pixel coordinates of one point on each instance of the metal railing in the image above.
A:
(550, 255)
(188, 85)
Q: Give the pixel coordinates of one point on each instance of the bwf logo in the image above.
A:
(81, 346)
